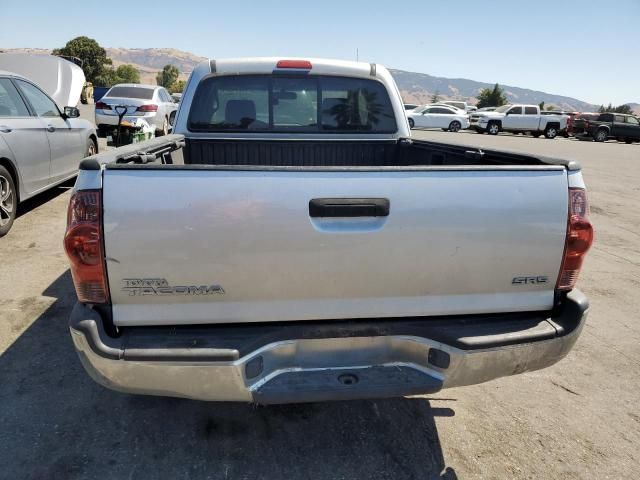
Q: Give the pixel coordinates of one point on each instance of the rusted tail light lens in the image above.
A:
(579, 239)
(83, 243)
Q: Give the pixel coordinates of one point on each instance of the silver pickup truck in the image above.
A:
(291, 242)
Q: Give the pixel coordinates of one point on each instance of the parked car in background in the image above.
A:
(438, 116)
(581, 120)
(40, 146)
(150, 102)
(458, 104)
(309, 249)
(518, 119)
(624, 128)
(567, 132)
(486, 109)
(410, 106)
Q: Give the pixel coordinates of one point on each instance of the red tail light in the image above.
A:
(148, 108)
(579, 239)
(83, 243)
(299, 64)
(102, 106)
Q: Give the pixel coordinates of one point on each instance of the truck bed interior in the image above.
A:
(360, 153)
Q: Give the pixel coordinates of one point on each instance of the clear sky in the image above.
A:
(584, 49)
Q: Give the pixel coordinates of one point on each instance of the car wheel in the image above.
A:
(493, 128)
(601, 135)
(551, 132)
(92, 147)
(411, 123)
(8, 201)
(628, 140)
(165, 128)
(455, 126)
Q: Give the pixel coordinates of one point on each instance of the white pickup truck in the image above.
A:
(518, 119)
(292, 243)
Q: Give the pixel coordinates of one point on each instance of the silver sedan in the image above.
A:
(149, 102)
(40, 146)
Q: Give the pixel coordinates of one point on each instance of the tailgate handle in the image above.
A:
(349, 207)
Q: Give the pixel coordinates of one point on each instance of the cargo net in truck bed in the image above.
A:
(310, 153)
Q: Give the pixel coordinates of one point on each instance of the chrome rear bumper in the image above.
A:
(313, 361)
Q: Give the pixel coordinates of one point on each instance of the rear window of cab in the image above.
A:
(280, 103)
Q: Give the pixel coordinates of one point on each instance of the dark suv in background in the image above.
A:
(625, 128)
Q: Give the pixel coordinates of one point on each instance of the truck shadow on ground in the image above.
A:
(55, 422)
(44, 197)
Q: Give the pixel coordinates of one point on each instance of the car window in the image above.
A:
(619, 118)
(165, 96)
(516, 111)
(442, 111)
(530, 111)
(42, 105)
(311, 104)
(605, 117)
(11, 104)
(633, 121)
(131, 92)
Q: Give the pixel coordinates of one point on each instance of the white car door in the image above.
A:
(426, 118)
(442, 117)
(25, 136)
(66, 143)
(514, 119)
(531, 119)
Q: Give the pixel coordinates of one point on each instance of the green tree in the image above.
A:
(177, 86)
(491, 97)
(93, 56)
(128, 74)
(167, 76)
(435, 98)
(626, 109)
(108, 78)
(541, 105)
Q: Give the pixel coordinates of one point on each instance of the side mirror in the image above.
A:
(71, 112)
(172, 118)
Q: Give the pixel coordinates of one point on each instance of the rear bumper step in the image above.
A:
(329, 360)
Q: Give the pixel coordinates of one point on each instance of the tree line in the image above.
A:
(99, 70)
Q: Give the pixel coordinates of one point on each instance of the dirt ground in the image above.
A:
(578, 419)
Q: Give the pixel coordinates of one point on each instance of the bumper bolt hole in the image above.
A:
(348, 379)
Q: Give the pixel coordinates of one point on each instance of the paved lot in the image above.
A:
(578, 419)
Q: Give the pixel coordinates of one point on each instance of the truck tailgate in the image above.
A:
(210, 245)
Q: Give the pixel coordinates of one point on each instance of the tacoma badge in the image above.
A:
(160, 286)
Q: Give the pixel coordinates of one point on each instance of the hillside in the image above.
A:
(635, 107)
(150, 61)
(415, 87)
(419, 87)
